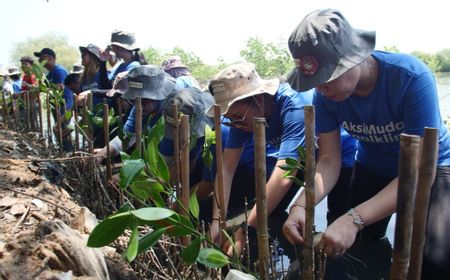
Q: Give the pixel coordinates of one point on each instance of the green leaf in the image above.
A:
(190, 253)
(152, 213)
(194, 207)
(124, 156)
(296, 180)
(183, 229)
(109, 229)
(127, 206)
(129, 170)
(285, 167)
(207, 157)
(212, 258)
(98, 121)
(157, 131)
(132, 249)
(149, 240)
(135, 154)
(37, 70)
(292, 162)
(68, 115)
(143, 187)
(156, 163)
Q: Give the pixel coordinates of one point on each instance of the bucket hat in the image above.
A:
(124, 39)
(13, 70)
(192, 102)
(324, 46)
(237, 82)
(46, 51)
(149, 81)
(120, 84)
(77, 68)
(91, 48)
(172, 62)
(27, 58)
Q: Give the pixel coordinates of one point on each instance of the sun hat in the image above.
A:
(172, 62)
(124, 39)
(46, 51)
(324, 46)
(77, 68)
(91, 48)
(149, 81)
(190, 101)
(237, 82)
(120, 84)
(13, 70)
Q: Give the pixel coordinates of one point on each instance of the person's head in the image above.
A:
(123, 44)
(242, 94)
(175, 67)
(48, 55)
(192, 102)
(77, 68)
(150, 83)
(72, 82)
(26, 63)
(328, 54)
(90, 55)
(14, 73)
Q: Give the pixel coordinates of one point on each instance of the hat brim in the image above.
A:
(84, 49)
(14, 73)
(37, 54)
(127, 47)
(267, 86)
(156, 94)
(362, 47)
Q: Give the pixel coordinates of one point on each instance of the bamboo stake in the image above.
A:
(90, 128)
(49, 120)
(41, 125)
(106, 135)
(138, 125)
(33, 116)
(427, 174)
(259, 125)
(5, 111)
(28, 110)
(407, 183)
(59, 126)
(15, 114)
(220, 197)
(310, 170)
(26, 121)
(184, 146)
(75, 122)
(176, 153)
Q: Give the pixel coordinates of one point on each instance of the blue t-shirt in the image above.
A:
(17, 85)
(130, 124)
(285, 129)
(186, 82)
(57, 75)
(404, 100)
(349, 146)
(122, 68)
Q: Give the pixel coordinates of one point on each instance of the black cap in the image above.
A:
(46, 51)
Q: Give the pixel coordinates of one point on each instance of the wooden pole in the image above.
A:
(259, 125)
(25, 115)
(90, 128)
(75, 123)
(29, 109)
(33, 115)
(41, 121)
(49, 120)
(59, 126)
(138, 125)
(427, 174)
(407, 184)
(310, 170)
(185, 184)
(220, 197)
(106, 135)
(5, 111)
(15, 114)
(176, 153)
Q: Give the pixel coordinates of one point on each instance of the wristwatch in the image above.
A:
(357, 219)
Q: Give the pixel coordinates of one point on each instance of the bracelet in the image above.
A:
(297, 204)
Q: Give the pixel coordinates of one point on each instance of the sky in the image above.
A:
(214, 29)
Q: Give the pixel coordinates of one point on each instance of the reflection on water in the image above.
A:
(443, 87)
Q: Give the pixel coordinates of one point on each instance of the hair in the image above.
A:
(15, 77)
(90, 70)
(139, 57)
(71, 78)
(28, 59)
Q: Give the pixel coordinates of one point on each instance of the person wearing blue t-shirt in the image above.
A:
(375, 96)
(153, 85)
(243, 95)
(180, 72)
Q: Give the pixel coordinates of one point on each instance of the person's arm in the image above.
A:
(327, 172)
(103, 81)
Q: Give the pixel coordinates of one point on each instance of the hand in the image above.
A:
(82, 98)
(339, 236)
(214, 231)
(239, 243)
(104, 54)
(294, 225)
(100, 155)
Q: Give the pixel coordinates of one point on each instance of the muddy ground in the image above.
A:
(44, 225)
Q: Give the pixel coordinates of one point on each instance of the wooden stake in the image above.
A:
(106, 135)
(138, 125)
(176, 153)
(218, 192)
(310, 170)
(49, 120)
(407, 184)
(5, 112)
(28, 110)
(427, 174)
(15, 114)
(75, 123)
(59, 126)
(259, 125)
(90, 128)
(41, 121)
(185, 184)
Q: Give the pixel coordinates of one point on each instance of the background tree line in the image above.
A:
(271, 59)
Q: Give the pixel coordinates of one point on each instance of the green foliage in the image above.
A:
(443, 56)
(212, 257)
(391, 49)
(271, 60)
(210, 139)
(66, 55)
(293, 165)
(190, 253)
(429, 59)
